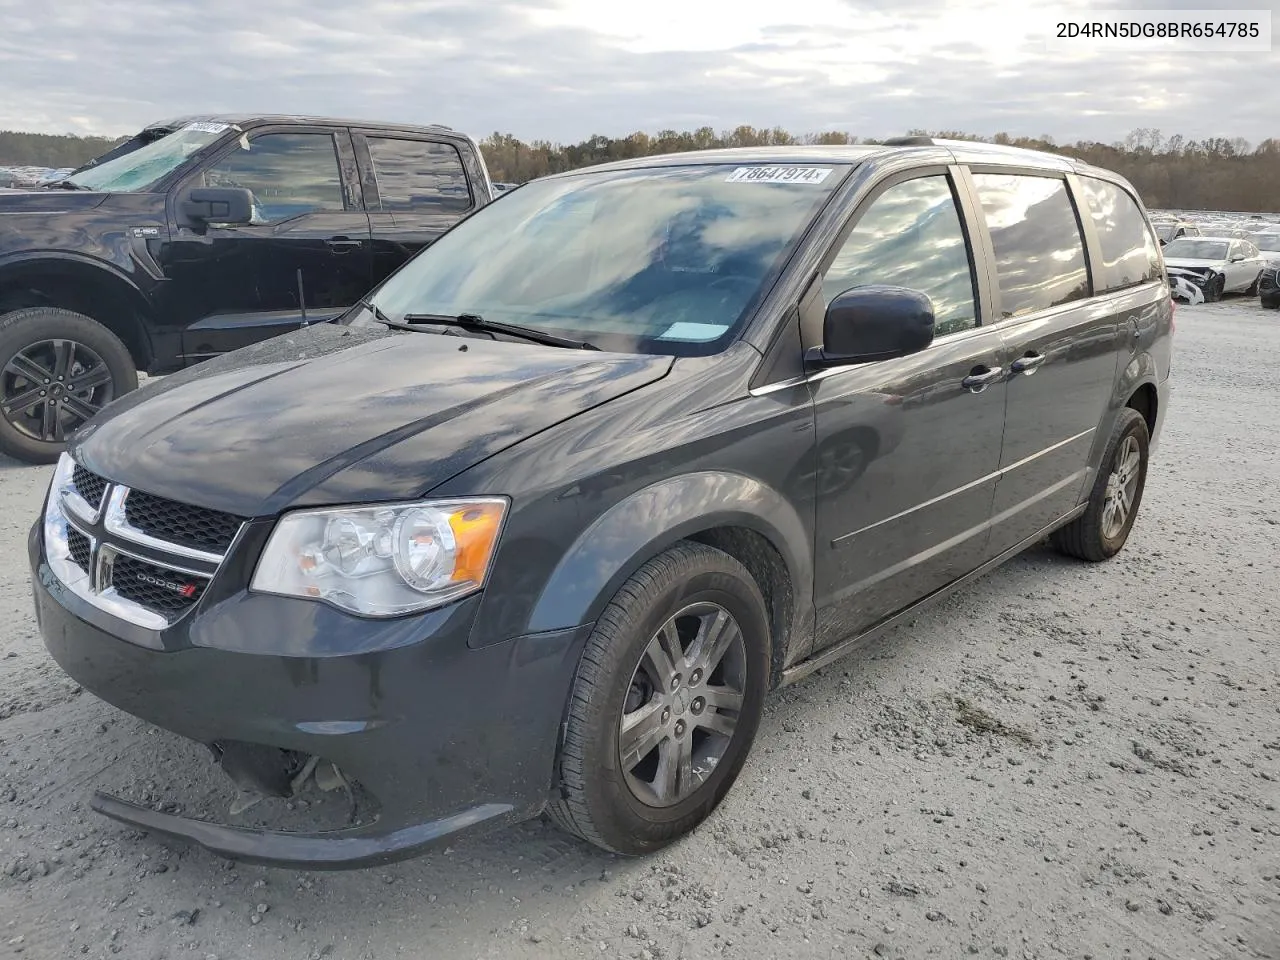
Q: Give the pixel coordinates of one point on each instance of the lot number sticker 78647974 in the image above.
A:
(778, 175)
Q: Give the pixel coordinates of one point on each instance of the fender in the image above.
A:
(638, 528)
(92, 272)
(1141, 369)
(37, 261)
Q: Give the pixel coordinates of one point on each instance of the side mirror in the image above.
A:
(874, 323)
(1237, 257)
(201, 206)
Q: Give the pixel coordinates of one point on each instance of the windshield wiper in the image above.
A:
(63, 185)
(471, 321)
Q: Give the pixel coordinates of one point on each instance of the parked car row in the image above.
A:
(200, 235)
(537, 523)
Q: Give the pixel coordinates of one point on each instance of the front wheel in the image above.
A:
(1100, 532)
(57, 369)
(665, 703)
(1215, 290)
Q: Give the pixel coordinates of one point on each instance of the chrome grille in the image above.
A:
(81, 549)
(196, 527)
(155, 587)
(89, 485)
(137, 556)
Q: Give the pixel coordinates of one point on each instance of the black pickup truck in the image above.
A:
(200, 235)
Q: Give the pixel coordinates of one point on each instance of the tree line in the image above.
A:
(51, 149)
(1170, 172)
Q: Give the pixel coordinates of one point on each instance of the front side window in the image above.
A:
(662, 260)
(141, 168)
(289, 174)
(1129, 255)
(1039, 253)
(910, 236)
(419, 175)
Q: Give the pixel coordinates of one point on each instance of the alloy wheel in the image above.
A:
(50, 387)
(682, 705)
(1122, 488)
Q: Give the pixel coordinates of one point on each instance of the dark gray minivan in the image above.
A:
(537, 525)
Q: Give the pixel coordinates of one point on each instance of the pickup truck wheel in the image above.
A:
(1100, 532)
(665, 703)
(57, 369)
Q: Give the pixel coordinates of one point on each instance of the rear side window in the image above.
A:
(1039, 254)
(911, 237)
(419, 176)
(1129, 255)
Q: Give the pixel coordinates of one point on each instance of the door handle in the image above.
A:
(343, 243)
(980, 378)
(1027, 364)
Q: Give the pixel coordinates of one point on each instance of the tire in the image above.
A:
(1215, 290)
(607, 801)
(1253, 287)
(1093, 536)
(38, 340)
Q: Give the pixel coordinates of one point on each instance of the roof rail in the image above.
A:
(912, 141)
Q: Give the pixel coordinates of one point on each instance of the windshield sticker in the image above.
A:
(203, 126)
(778, 175)
(700, 332)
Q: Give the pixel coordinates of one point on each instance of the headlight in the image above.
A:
(383, 560)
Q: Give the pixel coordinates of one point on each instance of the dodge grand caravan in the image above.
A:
(537, 525)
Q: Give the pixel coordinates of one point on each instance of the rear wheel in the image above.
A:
(1100, 532)
(666, 702)
(57, 369)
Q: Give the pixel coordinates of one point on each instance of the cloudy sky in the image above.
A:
(565, 69)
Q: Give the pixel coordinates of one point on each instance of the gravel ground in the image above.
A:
(1062, 760)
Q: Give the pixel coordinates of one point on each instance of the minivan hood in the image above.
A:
(334, 414)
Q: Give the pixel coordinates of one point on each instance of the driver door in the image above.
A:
(908, 448)
(307, 249)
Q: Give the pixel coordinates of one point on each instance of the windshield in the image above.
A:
(1192, 249)
(658, 260)
(140, 168)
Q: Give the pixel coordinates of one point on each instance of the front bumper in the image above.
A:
(447, 737)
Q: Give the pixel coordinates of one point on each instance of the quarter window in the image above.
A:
(289, 174)
(1039, 253)
(911, 236)
(418, 175)
(1129, 255)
